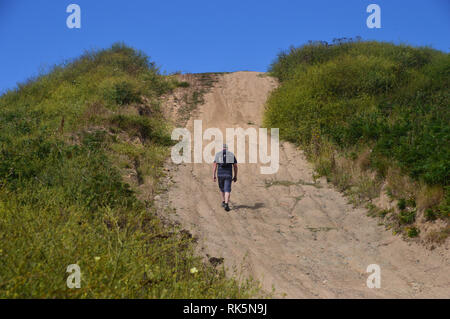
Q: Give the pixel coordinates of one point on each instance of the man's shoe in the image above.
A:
(223, 204)
(227, 208)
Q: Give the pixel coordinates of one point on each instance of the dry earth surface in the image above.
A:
(290, 232)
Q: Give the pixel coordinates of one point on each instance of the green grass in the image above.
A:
(412, 232)
(63, 199)
(350, 96)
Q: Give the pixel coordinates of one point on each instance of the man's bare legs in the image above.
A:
(225, 197)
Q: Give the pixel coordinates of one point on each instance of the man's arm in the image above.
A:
(235, 172)
(214, 170)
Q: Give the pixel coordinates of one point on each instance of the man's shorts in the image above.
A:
(224, 184)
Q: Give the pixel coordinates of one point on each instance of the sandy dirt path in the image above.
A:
(300, 237)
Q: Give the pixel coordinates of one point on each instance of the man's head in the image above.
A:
(225, 146)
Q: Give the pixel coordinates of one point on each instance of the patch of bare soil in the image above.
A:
(287, 230)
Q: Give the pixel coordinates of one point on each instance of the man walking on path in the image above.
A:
(225, 161)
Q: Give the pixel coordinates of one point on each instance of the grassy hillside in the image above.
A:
(67, 139)
(368, 114)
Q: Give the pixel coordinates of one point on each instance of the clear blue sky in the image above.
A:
(204, 35)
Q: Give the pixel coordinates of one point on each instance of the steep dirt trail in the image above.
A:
(303, 239)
